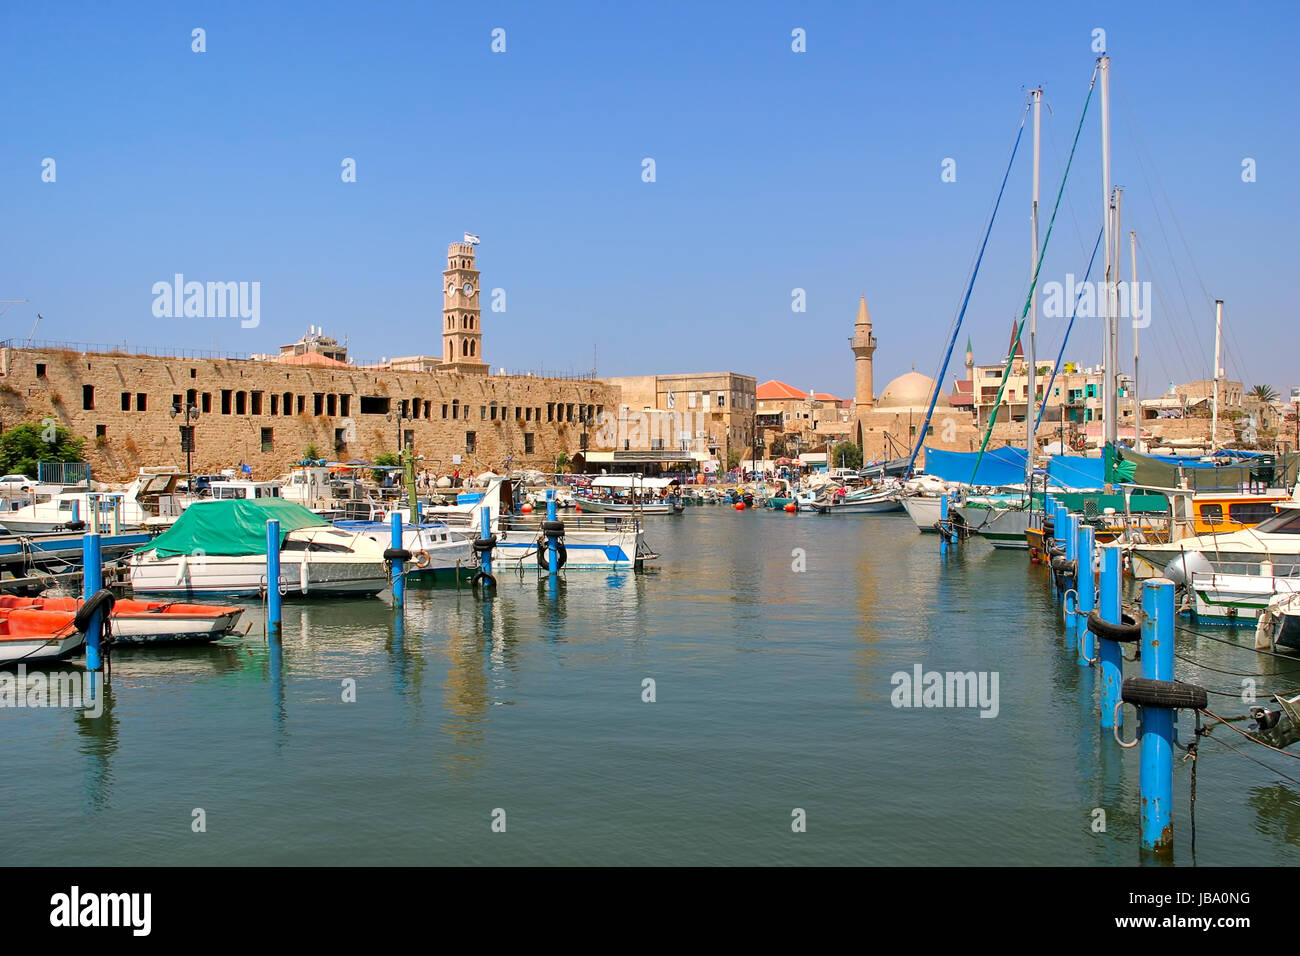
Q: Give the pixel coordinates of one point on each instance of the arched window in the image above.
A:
(471, 348)
(464, 348)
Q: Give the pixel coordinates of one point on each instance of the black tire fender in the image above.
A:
(1129, 632)
(552, 529)
(484, 580)
(396, 554)
(101, 600)
(482, 545)
(1146, 692)
(561, 557)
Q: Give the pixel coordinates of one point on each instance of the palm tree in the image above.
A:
(1265, 393)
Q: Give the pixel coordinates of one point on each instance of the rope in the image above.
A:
(1224, 743)
(1251, 737)
(1060, 356)
(952, 341)
(1033, 285)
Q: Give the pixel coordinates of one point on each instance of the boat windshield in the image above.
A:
(1286, 521)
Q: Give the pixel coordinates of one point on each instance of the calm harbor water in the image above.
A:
(772, 692)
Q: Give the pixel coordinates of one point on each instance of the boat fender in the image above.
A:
(1169, 694)
(1062, 565)
(483, 579)
(101, 600)
(561, 554)
(485, 544)
(420, 559)
(396, 554)
(552, 529)
(1130, 632)
(74, 525)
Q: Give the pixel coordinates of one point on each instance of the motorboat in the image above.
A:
(436, 552)
(28, 635)
(147, 622)
(219, 547)
(151, 500)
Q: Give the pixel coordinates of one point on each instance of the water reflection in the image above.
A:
(98, 737)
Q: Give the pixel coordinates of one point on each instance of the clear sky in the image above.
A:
(774, 170)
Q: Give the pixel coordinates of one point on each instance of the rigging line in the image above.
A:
(1251, 737)
(1029, 297)
(1218, 670)
(1060, 356)
(1139, 150)
(952, 339)
(1236, 750)
(1189, 366)
(1254, 650)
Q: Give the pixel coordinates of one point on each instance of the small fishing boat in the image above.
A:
(630, 494)
(219, 547)
(28, 635)
(147, 622)
(436, 552)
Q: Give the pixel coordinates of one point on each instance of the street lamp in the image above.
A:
(191, 414)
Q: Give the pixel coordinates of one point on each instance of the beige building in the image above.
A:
(712, 411)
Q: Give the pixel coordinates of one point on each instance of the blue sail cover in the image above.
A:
(1074, 471)
(1001, 466)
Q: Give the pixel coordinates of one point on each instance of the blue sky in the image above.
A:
(775, 170)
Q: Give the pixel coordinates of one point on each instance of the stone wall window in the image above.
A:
(101, 431)
(345, 405)
(550, 411)
(287, 405)
(275, 404)
(267, 438)
(225, 401)
(255, 402)
(241, 403)
(40, 369)
(126, 401)
(470, 440)
(318, 403)
(192, 397)
(207, 402)
(455, 408)
(88, 397)
(141, 402)
(302, 404)
(528, 443)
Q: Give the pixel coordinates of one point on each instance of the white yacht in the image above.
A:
(149, 501)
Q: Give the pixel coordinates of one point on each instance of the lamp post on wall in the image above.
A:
(191, 414)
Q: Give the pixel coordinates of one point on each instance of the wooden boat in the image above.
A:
(28, 635)
(137, 623)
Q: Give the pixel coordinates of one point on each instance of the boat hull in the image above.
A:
(245, 576)
(1003, 528)
(29, 649)
(924, 511)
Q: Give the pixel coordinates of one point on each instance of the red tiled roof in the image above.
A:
(776, 391)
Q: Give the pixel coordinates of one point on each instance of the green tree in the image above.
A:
(1265, 393)
(562, 461)
(733, 459)
(384, 458)
(22, 447)
(845, 455)
(311, 452)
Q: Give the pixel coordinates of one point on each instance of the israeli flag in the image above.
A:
(472, 239)
(672, 402)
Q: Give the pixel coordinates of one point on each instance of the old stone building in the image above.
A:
(131, 409)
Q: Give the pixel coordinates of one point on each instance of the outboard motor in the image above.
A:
(1181, 568)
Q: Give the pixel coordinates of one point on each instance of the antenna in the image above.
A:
(34, 324)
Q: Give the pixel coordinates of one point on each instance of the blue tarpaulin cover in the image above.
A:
(1001, 466)
(1074, 471)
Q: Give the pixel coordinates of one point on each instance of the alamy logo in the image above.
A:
(211, 300)
(951, 689)
(1088, 300)
(52, 689)
(75, 909)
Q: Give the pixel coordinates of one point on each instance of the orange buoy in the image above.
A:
(526, 509)
(791, 508)
(740, 506)
(577, 508)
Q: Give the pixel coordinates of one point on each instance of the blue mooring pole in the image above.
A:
(552, 553)
(76, 510)
(273, 602)
(1071, 554)
(1086, 586)
(92, 579)
(399, 566)
(943, 526)
(1156, 780)
(1109, 653)
(485, 531)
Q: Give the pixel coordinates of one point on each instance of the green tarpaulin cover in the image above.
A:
(230, 527)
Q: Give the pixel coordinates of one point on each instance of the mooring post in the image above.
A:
(943, 525)
(399, 566)
(273, 602)
(92, 580)
(1108, 651)
(76, 507)
(115, 522)
(92, 505)
(485, 532)
(1156, 780)
(552, 552)
(1086, 587)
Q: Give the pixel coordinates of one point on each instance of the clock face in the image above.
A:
(467, 288)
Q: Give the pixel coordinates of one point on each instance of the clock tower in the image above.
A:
(462, 335)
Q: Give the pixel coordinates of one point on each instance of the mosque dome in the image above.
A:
(911, 390)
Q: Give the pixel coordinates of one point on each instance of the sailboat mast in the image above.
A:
(1108, 396)
(1117, 262)
(1218, 351)
(1134, 299)
(1031, 392)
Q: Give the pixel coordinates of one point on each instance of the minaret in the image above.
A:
(864, 345)
(970, 362)
(462, 335)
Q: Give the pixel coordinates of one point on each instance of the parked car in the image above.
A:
(13, 484)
